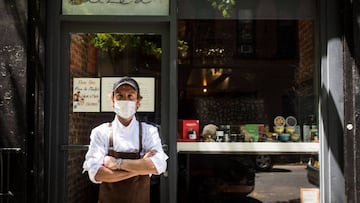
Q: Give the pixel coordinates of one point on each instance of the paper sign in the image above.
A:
(86, 95)
(310, 195)
(147, 91)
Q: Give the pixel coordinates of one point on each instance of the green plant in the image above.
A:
(117, 43)
(224, 6)
(109, 42)
(182, 45)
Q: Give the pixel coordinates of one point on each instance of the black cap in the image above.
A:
(126, 81)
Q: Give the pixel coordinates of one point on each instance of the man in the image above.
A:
(124, 153)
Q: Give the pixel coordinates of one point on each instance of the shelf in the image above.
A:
(248, 147)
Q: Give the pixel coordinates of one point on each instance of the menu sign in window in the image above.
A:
(116, 7)
(86, 95)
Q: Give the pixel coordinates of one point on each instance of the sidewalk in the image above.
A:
(282, 184)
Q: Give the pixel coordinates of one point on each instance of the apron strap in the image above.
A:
(140, 138)
(110, 137)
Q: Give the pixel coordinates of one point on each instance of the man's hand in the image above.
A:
(149, 154)
(110, 162)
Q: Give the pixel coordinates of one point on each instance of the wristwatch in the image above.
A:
(118, 162)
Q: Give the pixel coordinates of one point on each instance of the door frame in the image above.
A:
(57, 83)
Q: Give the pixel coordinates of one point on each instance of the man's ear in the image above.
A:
(137, 104)
(111, 97)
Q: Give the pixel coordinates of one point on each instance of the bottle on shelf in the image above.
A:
(192, 134)
(313, 129)
(227, 133)
(306, 130)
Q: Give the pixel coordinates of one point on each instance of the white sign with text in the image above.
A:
(86, 95)
(116, 7)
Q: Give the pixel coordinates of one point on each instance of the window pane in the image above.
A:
(258, 69)
(249, 69)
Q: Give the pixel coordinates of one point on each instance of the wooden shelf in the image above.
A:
(249, 147)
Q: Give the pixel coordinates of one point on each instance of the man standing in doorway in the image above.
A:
(124, 153)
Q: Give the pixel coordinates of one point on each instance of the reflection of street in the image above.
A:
(282, 184)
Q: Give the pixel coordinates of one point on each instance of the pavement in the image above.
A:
(282, 184)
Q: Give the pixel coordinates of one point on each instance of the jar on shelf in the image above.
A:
(220, 135)
(192, 134)
(227, 133)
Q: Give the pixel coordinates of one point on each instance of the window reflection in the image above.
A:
(257, 69)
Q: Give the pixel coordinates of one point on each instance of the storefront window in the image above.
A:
(247, 73)
(258, 70)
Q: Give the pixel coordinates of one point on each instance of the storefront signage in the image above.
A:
(115, 7)
(86, 95)
(147, 90)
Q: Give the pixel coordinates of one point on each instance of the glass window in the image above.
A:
(257, 69)
(94, 58)
(247, 73)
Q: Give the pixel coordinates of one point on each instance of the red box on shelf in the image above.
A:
(185, 125)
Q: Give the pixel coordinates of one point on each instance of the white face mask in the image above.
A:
(125, 108)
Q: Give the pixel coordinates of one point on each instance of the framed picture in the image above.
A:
(245, 39)
(245, 31)
(246, 49)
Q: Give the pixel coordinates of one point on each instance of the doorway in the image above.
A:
(92, 61)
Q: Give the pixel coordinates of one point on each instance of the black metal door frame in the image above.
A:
(60, 87)
(351, 99)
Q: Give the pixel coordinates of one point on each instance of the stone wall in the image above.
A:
(14, 131)
(13, 73)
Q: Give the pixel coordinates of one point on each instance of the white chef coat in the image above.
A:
(125, 139)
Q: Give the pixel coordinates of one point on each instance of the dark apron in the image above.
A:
(132, 190)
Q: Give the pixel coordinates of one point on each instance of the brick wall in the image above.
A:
(304, 76)
(82, 64)
(305, 72)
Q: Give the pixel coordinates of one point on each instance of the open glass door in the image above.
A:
(96, 60)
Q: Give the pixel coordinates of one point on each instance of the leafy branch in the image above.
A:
(120, 42)
(224, 6)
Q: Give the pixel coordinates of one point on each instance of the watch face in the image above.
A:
(291, 121)
(118, 161)
(279, 121)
